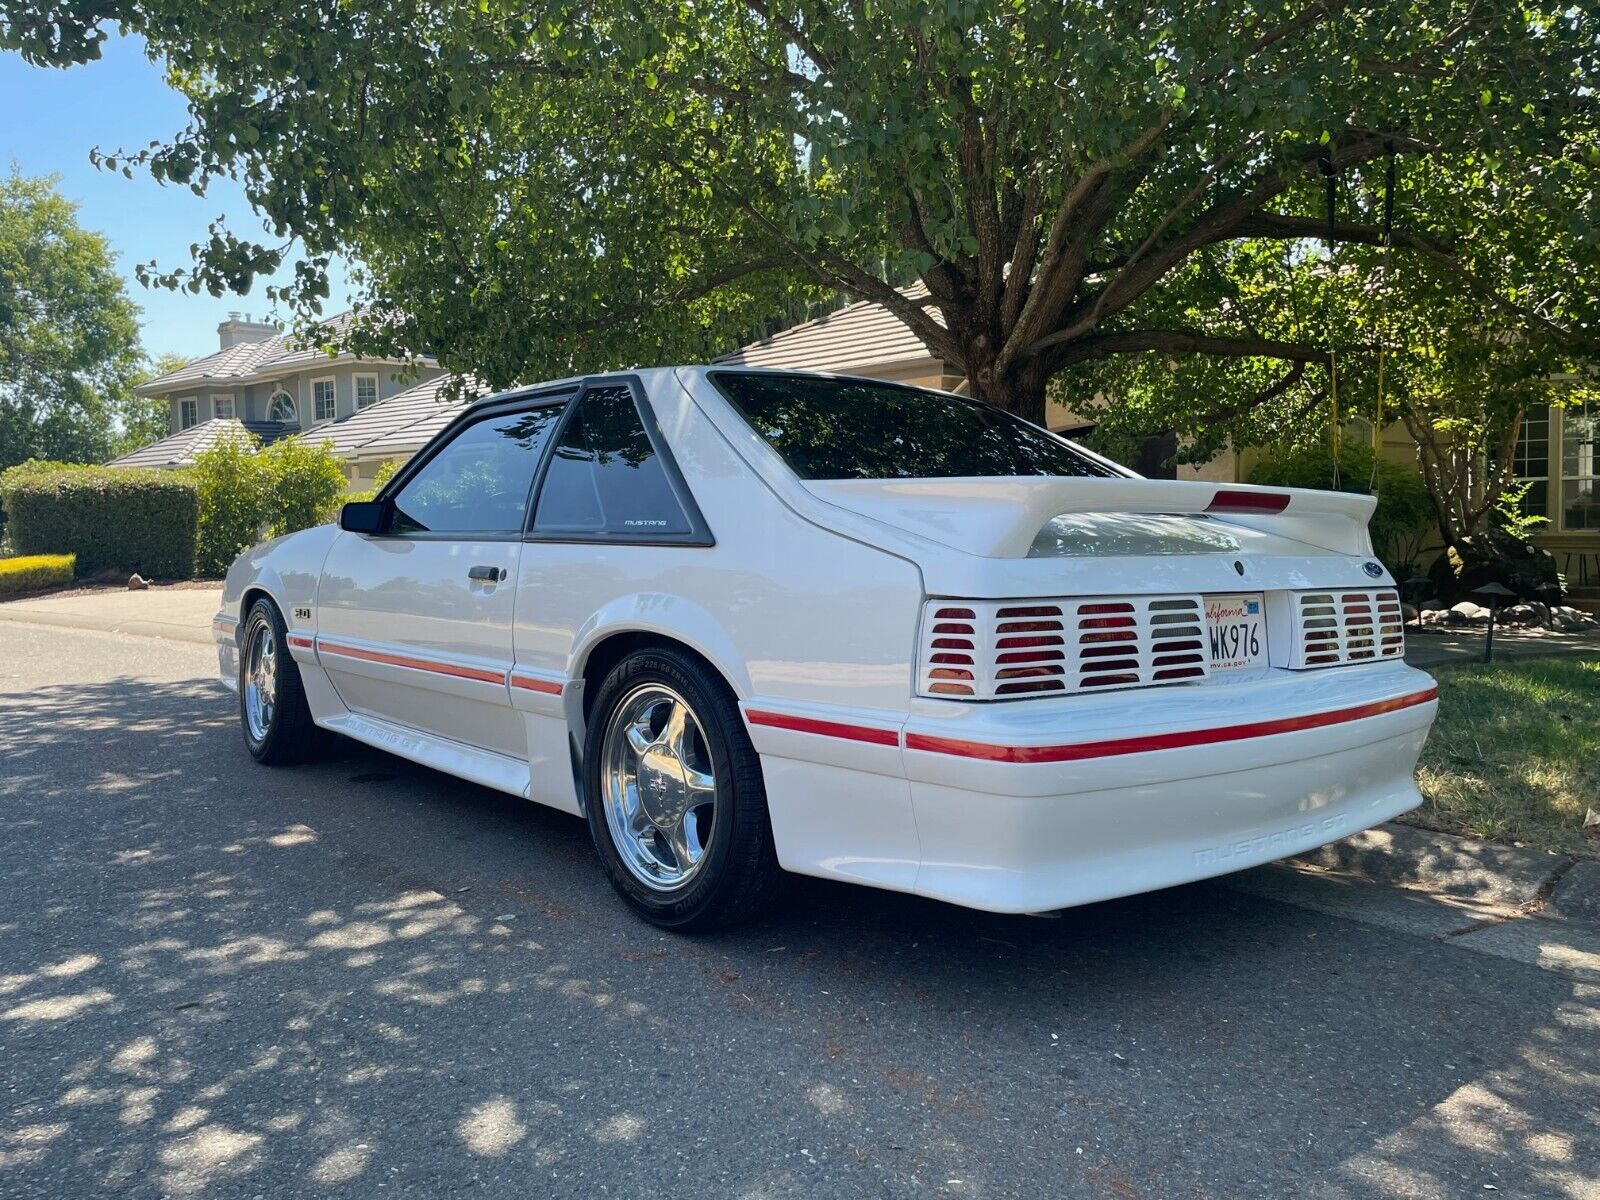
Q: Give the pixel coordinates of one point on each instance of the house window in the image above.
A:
(1580, 467)
(1531, 462)
(366, 391)
(222, 406)
(322, 399)
(188, 413)
(282, 408)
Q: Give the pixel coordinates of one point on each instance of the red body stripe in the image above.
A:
(415, 664)
(529, 684)
(834, 729)
(1161, 741)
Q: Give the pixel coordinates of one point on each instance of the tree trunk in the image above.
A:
(1020, 391)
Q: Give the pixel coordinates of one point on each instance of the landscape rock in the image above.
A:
(1496, 557)
(138, 583)
(1470, 612)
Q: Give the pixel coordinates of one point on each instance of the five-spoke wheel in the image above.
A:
(259, 679)
(273, 712)
(660, 787)
(674, 793)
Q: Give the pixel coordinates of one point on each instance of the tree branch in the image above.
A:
(1104, 345)
(1277, 225)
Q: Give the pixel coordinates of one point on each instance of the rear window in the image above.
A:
(859, 429)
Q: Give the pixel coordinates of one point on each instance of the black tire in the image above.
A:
(288, 735)
(739, 878)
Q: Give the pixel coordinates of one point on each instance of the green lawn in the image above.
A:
(1515, 755)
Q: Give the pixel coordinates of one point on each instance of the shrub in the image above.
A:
(248, 493)
(1404, 510)
(305, 483)
(33, 572)
(33, 466)
(232, 502)
(106, 516)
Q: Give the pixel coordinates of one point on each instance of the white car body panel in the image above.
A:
(388, 602)
(809, 605)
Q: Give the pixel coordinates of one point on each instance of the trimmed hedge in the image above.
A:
(34, 572)
(29, 467)
(142, 521)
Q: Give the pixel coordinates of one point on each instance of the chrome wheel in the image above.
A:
(260, 680)
(658, 788)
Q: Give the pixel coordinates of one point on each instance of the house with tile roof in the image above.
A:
(273, 385)
(279, 383)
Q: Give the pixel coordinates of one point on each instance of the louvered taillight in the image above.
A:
(1340, 627)
(1008, 650)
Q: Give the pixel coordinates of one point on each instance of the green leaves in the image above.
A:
(69, 338)
(546, 187)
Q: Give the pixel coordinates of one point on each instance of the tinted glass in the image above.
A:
(606, 476)
(857, 429)
(479, 482)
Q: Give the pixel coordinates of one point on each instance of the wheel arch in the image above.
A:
(639, 622)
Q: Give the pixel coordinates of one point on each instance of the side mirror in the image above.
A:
(362, 516)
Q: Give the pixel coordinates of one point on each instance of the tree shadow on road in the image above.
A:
(217, 979)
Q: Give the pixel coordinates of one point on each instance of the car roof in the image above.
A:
(649, 374)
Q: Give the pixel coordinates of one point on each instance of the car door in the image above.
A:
(414, 622)
(612, 519)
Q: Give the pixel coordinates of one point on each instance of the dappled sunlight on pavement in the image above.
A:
(221, 980)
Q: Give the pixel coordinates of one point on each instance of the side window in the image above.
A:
(605, 475)
(479, 482)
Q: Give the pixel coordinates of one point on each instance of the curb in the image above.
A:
(1561, 886)
(166, 631)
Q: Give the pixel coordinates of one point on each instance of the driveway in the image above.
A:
(362, 978)
(178, 612)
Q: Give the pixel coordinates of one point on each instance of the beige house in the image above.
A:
(266, 382)
(260, 376)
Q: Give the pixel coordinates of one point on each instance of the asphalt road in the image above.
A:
(363, 978)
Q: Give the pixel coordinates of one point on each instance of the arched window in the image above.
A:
(281, 408)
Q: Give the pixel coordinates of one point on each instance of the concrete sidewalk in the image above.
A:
(176, 613)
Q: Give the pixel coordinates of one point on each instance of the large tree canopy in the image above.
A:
(69, 335)
(539, 186)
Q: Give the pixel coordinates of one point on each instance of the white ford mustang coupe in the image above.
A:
(748, 622)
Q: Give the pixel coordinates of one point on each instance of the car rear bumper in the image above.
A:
(1032, 806)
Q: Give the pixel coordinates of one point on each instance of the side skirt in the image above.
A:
(466, 762)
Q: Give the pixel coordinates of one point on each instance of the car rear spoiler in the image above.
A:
(1000, 517)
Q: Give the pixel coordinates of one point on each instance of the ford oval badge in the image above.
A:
(1373, 569)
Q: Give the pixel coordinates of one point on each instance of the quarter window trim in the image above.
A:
(699, 534)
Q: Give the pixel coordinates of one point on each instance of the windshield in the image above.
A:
(862, 429)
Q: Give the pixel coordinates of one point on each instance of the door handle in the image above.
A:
(486, 574)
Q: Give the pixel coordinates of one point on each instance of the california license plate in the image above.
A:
(1237, 627)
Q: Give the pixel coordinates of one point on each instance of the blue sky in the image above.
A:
(54, 118)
